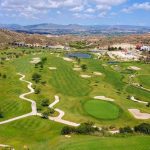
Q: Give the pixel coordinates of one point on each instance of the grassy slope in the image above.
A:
(10, 89)
(106, 143)
(43, 136)
(75, 91)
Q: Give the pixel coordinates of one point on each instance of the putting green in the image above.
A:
(101, 109)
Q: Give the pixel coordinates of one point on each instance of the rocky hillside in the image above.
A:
(7, 37)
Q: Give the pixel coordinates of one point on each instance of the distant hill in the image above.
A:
(56, 29)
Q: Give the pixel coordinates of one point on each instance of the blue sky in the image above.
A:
(88, 12)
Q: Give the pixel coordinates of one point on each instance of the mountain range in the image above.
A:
(57, 29)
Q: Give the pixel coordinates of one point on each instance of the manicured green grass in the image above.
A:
(101, 109)
(144, 80)
(106, 143)
(74, 93)
(141, 94)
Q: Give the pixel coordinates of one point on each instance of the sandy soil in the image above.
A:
(35, 60)
(97, 73)
(52, 68)
(104, 98)
(134, 68)
(85, 76)
(77, 69)
(68, 59)
(138, 115)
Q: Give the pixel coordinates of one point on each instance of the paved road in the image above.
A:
(61, 114)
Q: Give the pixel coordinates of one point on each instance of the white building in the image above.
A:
(145, 48)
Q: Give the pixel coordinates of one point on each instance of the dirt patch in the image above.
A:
(85, 76)
(52, 68)
(77, 69)
(134, 68)
(97, 73)
(35, 60)
(68, 59)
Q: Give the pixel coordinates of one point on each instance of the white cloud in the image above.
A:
(90, 10)
(35, 8)
(77, 9)
(137, 6)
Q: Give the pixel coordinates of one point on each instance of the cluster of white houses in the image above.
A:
(36, 45)
(145, 48)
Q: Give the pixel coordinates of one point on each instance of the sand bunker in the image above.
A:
(138, 101)
(138, 115)
(134, 68)
(104, 98)
(97, 73)
(68, 59)
(35, 60)
(77, 69)
(85, 76)
(67, 136)
(52, 68)
(76, 66)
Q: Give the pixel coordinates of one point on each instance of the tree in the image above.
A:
(126, 130)
(148, 105)
(67, 130)
(1, 113)
(4, 76)
(37, 90)
(86, 128)
(45, 102)
(36, 77)
(143, 128)
(44, 59)
(47, 112)
(84, 67)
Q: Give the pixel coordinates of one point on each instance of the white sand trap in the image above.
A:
(104, 98)
(52, 68)
(85, 76)
(67, 136)
(68, 59)
(104, 65)
(77, 69)
(138, 115)
(134, 68)
(35, 60)
(76, 66)
(138, 101)
(97, 73)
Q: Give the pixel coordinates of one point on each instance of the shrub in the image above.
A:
(126, 130)
(86, 128)
(37, 90)
(1, 113)
(36, 77)
(148, 105)
(47, 112)
(67, 130)
(4, 76)
(45, 102)
(143, 128)
(84, 67)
